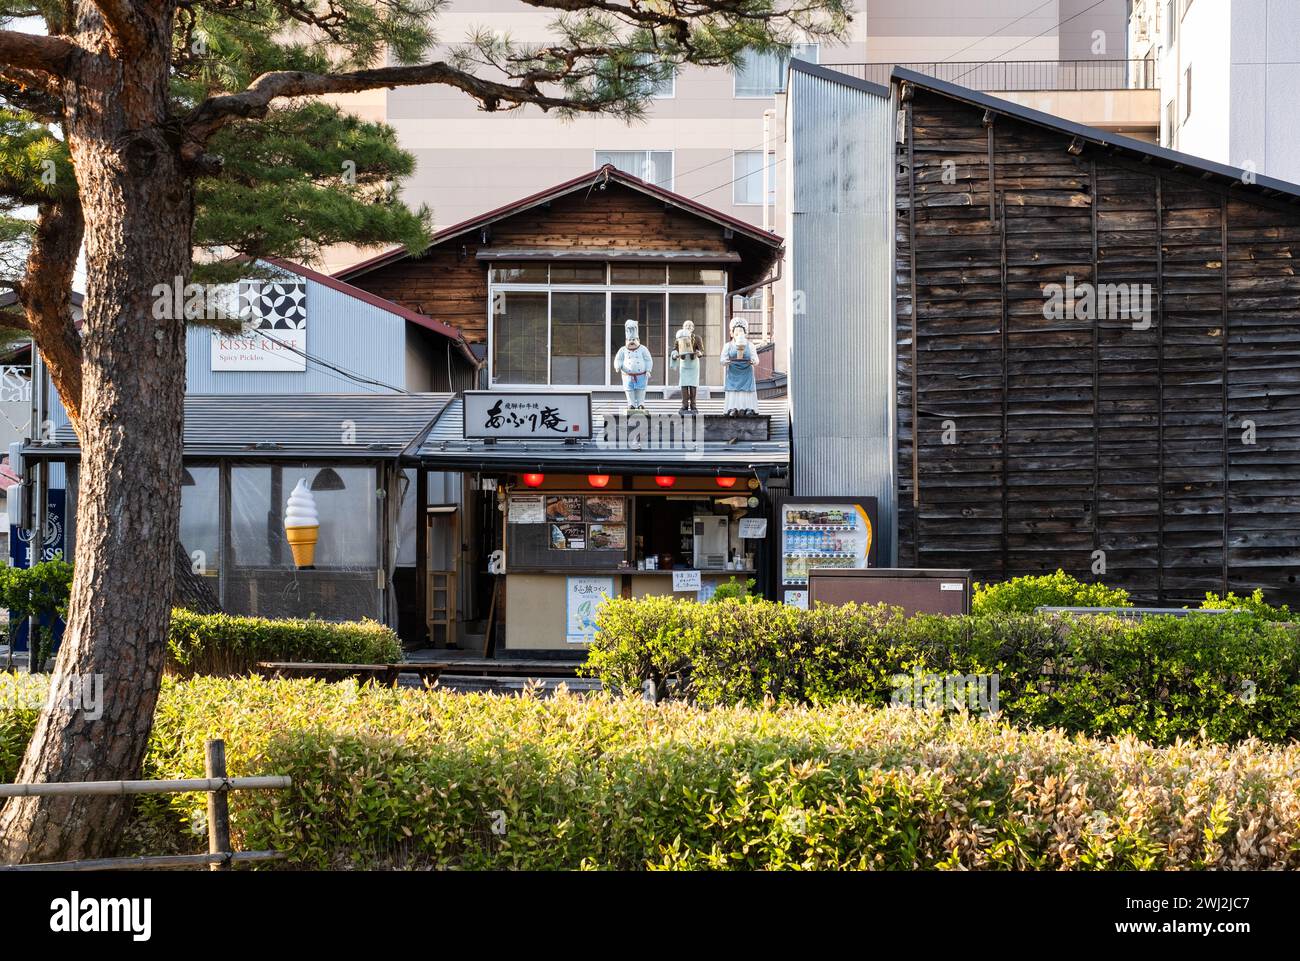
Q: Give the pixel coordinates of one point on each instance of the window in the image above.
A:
(562, 323)
(706, 311)
(577, 338)
(201, 518)
(519, 336)
(1187, 94)
(762, 73)
(664, 84)
(652, 166)
(1171, 22)
(747, 187)
(1170, 118)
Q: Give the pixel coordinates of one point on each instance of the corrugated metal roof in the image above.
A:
(313, 426)
(612, 254)
(447, 447)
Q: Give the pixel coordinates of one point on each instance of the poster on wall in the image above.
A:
(527, 509)
(568, 537)
(274, 332)
(607, 537)
(564, 508)
(51, 546)
(584, 595)
(604, 509)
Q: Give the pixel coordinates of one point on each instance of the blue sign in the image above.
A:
(51, 547)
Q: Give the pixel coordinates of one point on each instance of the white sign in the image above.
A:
(686, 580)
(584, 596)
(527, 509)
(274, 333)
(797, 599)
(540, 415)
(15, 384)
(753, 527)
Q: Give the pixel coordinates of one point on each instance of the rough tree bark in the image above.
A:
(138, 205)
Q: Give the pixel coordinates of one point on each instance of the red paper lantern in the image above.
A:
(534, 480)
(726, 481)
(665, 480)
(598, 480)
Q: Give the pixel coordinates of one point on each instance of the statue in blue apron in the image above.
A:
(688, 351)
(634, 363)
(739, 360)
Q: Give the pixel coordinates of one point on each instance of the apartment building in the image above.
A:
(707, 131)
(1225, 67)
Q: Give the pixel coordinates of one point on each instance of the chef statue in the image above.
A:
(634, 362)
(739, 360)
(688, 349)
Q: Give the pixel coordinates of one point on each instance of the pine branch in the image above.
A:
(211, 115)
(28, 51)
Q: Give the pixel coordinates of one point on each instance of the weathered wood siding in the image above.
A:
(1028, 443)
(449, 284)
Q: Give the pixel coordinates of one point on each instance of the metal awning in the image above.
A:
(290, 426)
(617, 255)
(447, 448)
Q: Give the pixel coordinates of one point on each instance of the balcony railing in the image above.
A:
(1021, 75)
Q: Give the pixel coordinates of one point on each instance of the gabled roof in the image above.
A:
(420, 320)
(605, 175)
(1142, 150)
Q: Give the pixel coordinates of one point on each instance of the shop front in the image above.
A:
(612, 505)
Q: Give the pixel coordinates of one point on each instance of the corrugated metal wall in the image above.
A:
(341, 331)
(840, 295)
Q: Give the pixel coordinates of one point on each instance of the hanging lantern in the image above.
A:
(534, 480)
(598, 480)
(665, 480)
(727, 482)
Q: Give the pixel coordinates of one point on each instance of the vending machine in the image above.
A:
(820, 533)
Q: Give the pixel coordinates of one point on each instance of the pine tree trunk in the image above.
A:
(138, 203)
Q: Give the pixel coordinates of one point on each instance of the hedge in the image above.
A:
(224, 644)
(1221, 677)
(1026, 594)
(416, 778)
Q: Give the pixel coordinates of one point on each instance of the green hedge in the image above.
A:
(1221, 677)
(1026, 594)
(223, 644)
(416, 778)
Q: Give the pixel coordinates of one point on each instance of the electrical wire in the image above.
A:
(1059, 24)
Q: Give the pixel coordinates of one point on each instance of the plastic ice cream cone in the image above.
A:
(302, 541)
(302, 525)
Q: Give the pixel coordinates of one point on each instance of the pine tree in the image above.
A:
(143, 130)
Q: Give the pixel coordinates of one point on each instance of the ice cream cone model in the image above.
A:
(302, 525)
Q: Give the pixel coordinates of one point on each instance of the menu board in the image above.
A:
(607, 537)
(568, 537)
(564, 508)
(604, 509)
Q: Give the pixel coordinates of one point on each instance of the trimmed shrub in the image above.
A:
(1254, 604)
(224, 644)
(414, 778)
(1026, 594)
(1222, 677)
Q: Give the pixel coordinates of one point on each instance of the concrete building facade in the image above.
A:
(1223, 65)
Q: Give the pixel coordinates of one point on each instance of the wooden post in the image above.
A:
(218, 804)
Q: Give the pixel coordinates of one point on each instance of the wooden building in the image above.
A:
(1098, 355)
(563, 497)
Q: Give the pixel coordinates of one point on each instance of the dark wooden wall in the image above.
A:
(449, 284)
(1073, 436)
